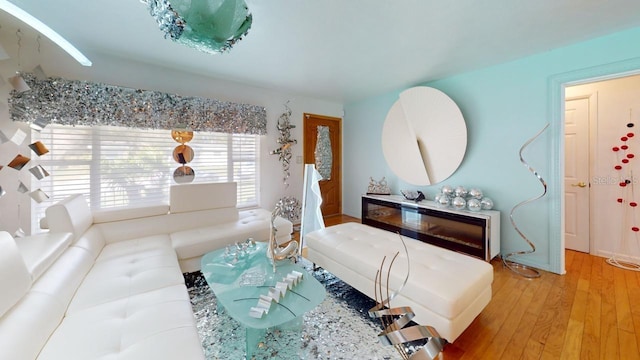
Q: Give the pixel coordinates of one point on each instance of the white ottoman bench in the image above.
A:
(445, 289)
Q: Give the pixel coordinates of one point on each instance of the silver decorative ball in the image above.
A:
(486, 203)
(443, 201)
(446, 190)
(459, 202)
(460, 191)
(475, 193)
(474, 204)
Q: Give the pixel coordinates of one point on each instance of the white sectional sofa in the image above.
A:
(109, 285)
(445, 289)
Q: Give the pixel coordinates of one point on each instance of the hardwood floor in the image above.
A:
(590, 313)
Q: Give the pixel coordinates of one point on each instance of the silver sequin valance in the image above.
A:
(73, 102)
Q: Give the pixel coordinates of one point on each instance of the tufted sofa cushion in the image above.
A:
(127, 268)
(157, 324)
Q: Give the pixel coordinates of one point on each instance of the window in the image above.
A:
(119, 166)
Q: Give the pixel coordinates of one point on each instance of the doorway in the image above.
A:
(322, 146)
(605, 112)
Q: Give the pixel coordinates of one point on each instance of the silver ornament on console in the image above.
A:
(460, 191)
(446, 190)
(475, 193)
(473, 204)
(486, 203)
(443, 201)
(459, 202)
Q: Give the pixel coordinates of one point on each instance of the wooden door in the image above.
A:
(576, 180)
(331, 186)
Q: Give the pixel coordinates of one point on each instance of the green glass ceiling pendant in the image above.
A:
(211, 26)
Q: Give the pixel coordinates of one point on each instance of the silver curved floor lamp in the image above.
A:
(518, 268)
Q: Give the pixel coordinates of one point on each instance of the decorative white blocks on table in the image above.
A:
(276, 293)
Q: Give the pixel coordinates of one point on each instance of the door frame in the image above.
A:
(556, 97)
(592, 97)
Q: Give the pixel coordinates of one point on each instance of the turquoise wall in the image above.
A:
(503, 106)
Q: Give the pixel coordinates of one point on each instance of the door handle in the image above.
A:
(580, 184)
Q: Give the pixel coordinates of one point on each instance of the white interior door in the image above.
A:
(576, 181)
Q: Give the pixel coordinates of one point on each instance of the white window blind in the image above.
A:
(118, 166)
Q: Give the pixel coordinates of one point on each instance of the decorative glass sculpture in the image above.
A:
(206, 25)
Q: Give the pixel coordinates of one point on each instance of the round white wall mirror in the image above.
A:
(424, 136)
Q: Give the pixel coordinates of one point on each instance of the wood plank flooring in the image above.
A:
(592, 312)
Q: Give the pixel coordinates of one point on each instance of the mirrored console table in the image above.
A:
(472, 233)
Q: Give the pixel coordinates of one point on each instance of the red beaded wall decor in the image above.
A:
(631, 226)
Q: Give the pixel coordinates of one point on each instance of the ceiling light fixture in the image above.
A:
(39, 26)
(206, 25)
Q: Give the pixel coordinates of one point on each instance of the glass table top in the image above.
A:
(238, 284)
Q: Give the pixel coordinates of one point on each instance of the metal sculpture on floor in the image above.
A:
(394, 320)
(518, 268)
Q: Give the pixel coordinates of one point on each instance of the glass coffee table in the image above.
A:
(238, 283)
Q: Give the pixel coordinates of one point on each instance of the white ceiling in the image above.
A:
(345, 50)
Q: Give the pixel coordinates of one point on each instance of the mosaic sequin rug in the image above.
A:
(339, 328)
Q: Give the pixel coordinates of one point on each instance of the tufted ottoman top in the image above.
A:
(444, 281)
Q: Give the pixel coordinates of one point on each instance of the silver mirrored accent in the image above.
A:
(18, 137)
(73, 102)
(184, 174)
(285, 142)
(323, 153)
(290, 208)
(2, 192)
(3, 137)
(22, 188)
(39, 124)
(18, 84)
(39, 172)
(39, 195)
